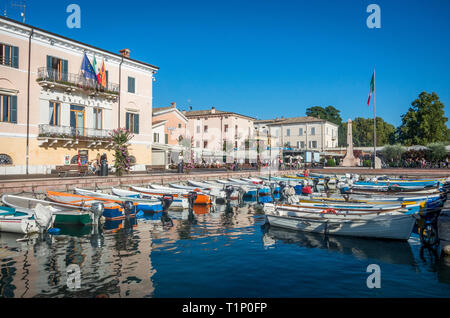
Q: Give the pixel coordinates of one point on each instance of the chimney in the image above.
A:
(173, 105)
(125, 53)
(213, 110)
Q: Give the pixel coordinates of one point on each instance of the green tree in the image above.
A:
(393, 152)
(424, 122)
(121, 141)
(362, 129)
(328, 113)
(436, 152)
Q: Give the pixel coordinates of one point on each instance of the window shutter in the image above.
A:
(14, 109)
(136, 124)
(15, 57)
(49, 62)
(127, 120)
(65, 70)
(167, 139)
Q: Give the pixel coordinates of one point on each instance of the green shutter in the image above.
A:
(49, 62)
(15, 57)
(136, 124)
(127, 121)
(14, 109)
(8, 55)
(131, 85)
(167, 139)
(65, 70)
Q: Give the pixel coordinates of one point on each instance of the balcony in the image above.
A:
(71, 82)
(69, 136)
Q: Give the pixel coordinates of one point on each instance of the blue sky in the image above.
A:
(272, 58)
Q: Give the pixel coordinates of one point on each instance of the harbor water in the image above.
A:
(229, 252)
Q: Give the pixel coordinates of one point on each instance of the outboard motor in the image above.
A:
(229, 191)
(166, 202)
(282, 186)
(97, 209)
(128, 207)
(192, 196)
(325, 182)
(315, 183)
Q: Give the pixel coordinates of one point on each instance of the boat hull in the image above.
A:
(397, 227)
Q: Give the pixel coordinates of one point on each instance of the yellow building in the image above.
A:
(50, 110)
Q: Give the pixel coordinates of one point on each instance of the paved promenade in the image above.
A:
(41, 184)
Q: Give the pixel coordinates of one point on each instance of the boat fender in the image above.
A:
(329, 211)
(54, 231)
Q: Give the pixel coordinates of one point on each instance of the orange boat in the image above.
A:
(113, 211)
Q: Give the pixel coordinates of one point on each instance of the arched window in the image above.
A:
(133, 160)
(5, 160)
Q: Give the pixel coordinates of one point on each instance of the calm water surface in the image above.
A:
(218, 254)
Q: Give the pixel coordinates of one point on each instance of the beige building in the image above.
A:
(302, 133)
(50, 111)
(218, 135)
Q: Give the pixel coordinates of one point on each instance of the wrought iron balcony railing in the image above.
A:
(64, 132)
(77, 80)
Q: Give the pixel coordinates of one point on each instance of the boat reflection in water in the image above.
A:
(391, 252)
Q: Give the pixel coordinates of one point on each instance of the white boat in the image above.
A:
(179, 202)
(385, 225)
(210, 186)
(145, 205)
(214, 192)
(63, 212)
(25, 221)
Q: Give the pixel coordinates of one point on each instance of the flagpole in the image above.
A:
(374, 121)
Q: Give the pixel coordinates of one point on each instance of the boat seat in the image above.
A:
(4, 210)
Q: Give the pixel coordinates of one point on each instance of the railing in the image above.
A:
(8, 62)
(65, 132)
(78, 80)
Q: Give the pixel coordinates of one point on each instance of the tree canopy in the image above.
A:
(424, 122)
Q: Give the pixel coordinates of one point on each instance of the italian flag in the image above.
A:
(372, 88)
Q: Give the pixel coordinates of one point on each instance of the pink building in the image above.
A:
(218, 134)
(49, 111)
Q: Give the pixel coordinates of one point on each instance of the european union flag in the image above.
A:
(87, 69)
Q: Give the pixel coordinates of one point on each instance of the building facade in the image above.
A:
(50, 111)
(302, 133)
(219, 135)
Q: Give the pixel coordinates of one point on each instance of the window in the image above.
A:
(205, 144)
(98, 118)
(132, 121)
(131, 85)
(166, 139)
(302, 144)
(9, 55)
(133, 160)
(288, 132)
(5, 160)
(235, 144)
(313, 131)
(77, 119)
(300, 132)
(197, 144)
(313, 144)
(179, 125)
(226, 128)
(205, 129)
(55, 114)
(57, 69)
(156, 137)
(8, 109)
